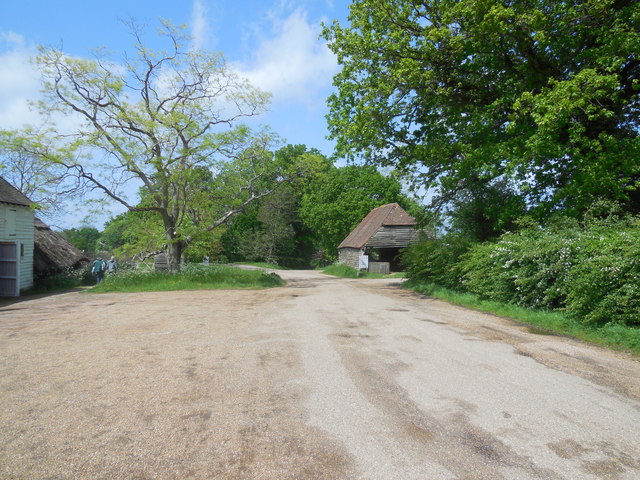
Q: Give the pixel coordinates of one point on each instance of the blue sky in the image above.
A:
(273, 43)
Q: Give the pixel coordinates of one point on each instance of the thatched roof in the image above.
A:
(391, 214)
(53, 253)
(11, 195)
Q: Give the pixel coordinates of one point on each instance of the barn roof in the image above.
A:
(391, 214)
(53, 253)
(11, 195)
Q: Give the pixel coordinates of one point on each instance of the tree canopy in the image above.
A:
(544, 93)
(336, 202)
(170, 121)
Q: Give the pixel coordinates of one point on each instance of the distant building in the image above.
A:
(384, 231)
(53, 253)
(16, 240)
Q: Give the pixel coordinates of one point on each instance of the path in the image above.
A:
(323, 379)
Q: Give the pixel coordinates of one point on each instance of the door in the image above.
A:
(9, 281)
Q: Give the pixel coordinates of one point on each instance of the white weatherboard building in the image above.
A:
(16, 240)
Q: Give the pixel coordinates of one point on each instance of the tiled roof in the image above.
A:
(9, 194)
(391, 214)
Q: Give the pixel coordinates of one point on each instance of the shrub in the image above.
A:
(605, 286)
(66, 279)
(436, 261)
(528, 268)
(591, 271)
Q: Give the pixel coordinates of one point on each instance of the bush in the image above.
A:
(605, 286)
(64, 280)
(528, 268)
(590, 271)
(436, 261)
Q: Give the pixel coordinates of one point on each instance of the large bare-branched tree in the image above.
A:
(169, 121)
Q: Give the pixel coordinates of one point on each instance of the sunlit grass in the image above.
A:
(191, 277)
(270, 266)
(344, 271)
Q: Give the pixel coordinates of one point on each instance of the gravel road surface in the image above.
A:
(322, 379)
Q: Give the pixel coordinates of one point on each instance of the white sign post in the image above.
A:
(363, 262)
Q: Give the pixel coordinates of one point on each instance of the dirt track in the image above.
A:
(324, 378)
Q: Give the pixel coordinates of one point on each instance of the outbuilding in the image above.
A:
(381, 235)
(16, 240)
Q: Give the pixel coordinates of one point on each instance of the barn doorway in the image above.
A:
(9, 269)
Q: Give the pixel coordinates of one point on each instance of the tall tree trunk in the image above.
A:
(174, 255)
(175, 246)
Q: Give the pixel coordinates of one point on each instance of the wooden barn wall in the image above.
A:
(393, 237)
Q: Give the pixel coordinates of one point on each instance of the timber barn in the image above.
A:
(381, 235)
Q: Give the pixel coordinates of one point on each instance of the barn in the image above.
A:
(380, 236)
(53, 253)
(16, 240)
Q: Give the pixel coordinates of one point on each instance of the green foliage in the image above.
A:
(542, 92)
(335, 202)
(271, 229)
(63, 281)
(169, 120)
(83, 238)
(482, 210)
(437, 260)
(131, 233)
(605, 285)
(589, 270)
(48, 184)
(592, 272)
(190, 277)
(340, 270)
(345, 271)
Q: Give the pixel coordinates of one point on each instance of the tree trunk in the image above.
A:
(175, 246)
(174, 255)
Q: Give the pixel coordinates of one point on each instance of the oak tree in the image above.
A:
(543, 93)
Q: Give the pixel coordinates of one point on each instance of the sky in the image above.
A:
(275, 44)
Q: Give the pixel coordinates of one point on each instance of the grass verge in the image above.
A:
(270, 266)
(618, 337)
(192, 277)
(344, 271)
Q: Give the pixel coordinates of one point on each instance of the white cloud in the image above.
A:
(19, 82)
(200, 30)
(294, 64)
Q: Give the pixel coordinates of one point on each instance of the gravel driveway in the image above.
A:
(322, 379)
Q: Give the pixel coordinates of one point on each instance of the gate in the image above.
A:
(9, 281)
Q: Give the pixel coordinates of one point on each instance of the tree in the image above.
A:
(335, 202)
(170, 121)
(273, 235)
(271, 229)
(84, 238)
(483, 210)
(46, 184)
(544, 92)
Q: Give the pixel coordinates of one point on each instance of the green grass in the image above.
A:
(192, 277)
(270, 266)
(344, 271)
(614, 336)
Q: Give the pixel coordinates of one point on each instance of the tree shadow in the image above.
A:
(25, 297)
